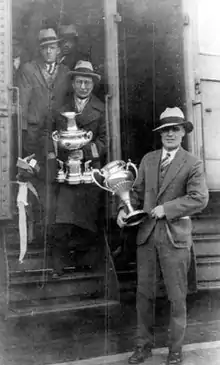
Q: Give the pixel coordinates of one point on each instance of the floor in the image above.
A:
(69, 336)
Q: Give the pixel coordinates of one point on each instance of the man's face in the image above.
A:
(68, 45)
(172, 136)
(82, 86)
(50, 52)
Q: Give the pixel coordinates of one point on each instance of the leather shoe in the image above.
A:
(174, 358)
(140, 355)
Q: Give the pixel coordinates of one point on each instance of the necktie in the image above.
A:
(165, 161)
(51, 68)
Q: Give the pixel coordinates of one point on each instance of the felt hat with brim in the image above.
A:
(47, 36)
(85, 68)
(173, 117)
(68, 31)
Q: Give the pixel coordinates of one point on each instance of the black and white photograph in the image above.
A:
(109, 182)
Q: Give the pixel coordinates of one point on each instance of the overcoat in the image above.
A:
(79, 204)
(183, 193)
(38, 99)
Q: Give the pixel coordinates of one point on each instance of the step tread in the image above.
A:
(208, 285)
(44, 307)
(210, 260)
(30, 251)
(202, 237)
(35, 279)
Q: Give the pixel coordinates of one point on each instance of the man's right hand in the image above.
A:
(120, 218)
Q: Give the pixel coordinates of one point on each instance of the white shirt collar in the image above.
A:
(172, 153)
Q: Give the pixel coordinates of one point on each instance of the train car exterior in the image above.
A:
(154, 55)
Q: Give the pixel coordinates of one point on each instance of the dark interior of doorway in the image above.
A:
(150, 64)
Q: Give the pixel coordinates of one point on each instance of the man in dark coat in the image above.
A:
(78, 206)
(170, 188)
(43, 85)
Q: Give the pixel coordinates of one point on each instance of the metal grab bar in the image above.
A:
(17, 112)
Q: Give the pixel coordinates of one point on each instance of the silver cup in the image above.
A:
(119, 177)
(71, 140)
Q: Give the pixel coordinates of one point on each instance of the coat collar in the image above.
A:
(91, 111)
(175, 166)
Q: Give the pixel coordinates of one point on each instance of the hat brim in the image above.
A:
(96, 77)
(188, 126)
(64, 37)
(49, 42)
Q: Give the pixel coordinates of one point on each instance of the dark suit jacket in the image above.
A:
(183, 193)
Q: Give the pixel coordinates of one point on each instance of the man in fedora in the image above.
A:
(69, 45)
(170, 188)
(43, 85)
(78, 206)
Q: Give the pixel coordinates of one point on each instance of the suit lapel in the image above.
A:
(153, 170)
(39, 75)
(173, 170)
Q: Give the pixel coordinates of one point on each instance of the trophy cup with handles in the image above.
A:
(71, 141)
(119, 177)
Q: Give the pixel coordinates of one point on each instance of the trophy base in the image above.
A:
(135, 218)
(61, 178)
(73, 179)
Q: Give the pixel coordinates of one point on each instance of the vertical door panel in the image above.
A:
(5, 117)
(203, 68)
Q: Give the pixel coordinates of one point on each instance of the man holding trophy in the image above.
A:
(80, 144)
(170, 188)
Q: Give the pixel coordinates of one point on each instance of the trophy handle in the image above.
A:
(96, 182)
(55, 135)
(89, 135)
(131, 164)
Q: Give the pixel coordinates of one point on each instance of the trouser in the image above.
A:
(66, 237)
(174, 263)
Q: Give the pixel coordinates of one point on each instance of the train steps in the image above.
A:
(206, 238)
(29, 288)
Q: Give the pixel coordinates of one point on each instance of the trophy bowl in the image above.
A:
(72, 138)
(70, 141)
(119, 177)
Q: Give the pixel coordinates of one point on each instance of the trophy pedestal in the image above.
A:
(73, 179)
(135, 218)
(61, 176)
(87, 178)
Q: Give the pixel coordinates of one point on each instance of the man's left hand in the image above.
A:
(158, 212)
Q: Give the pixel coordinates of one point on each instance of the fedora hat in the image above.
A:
(68, 31)
(173, 117)
(47, 36)
(85, 68)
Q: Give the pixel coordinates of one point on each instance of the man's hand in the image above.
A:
(51, 156)
(158, 212)
(120, 218)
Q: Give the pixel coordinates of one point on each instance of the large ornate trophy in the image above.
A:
(119, 177)
(71, 141)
